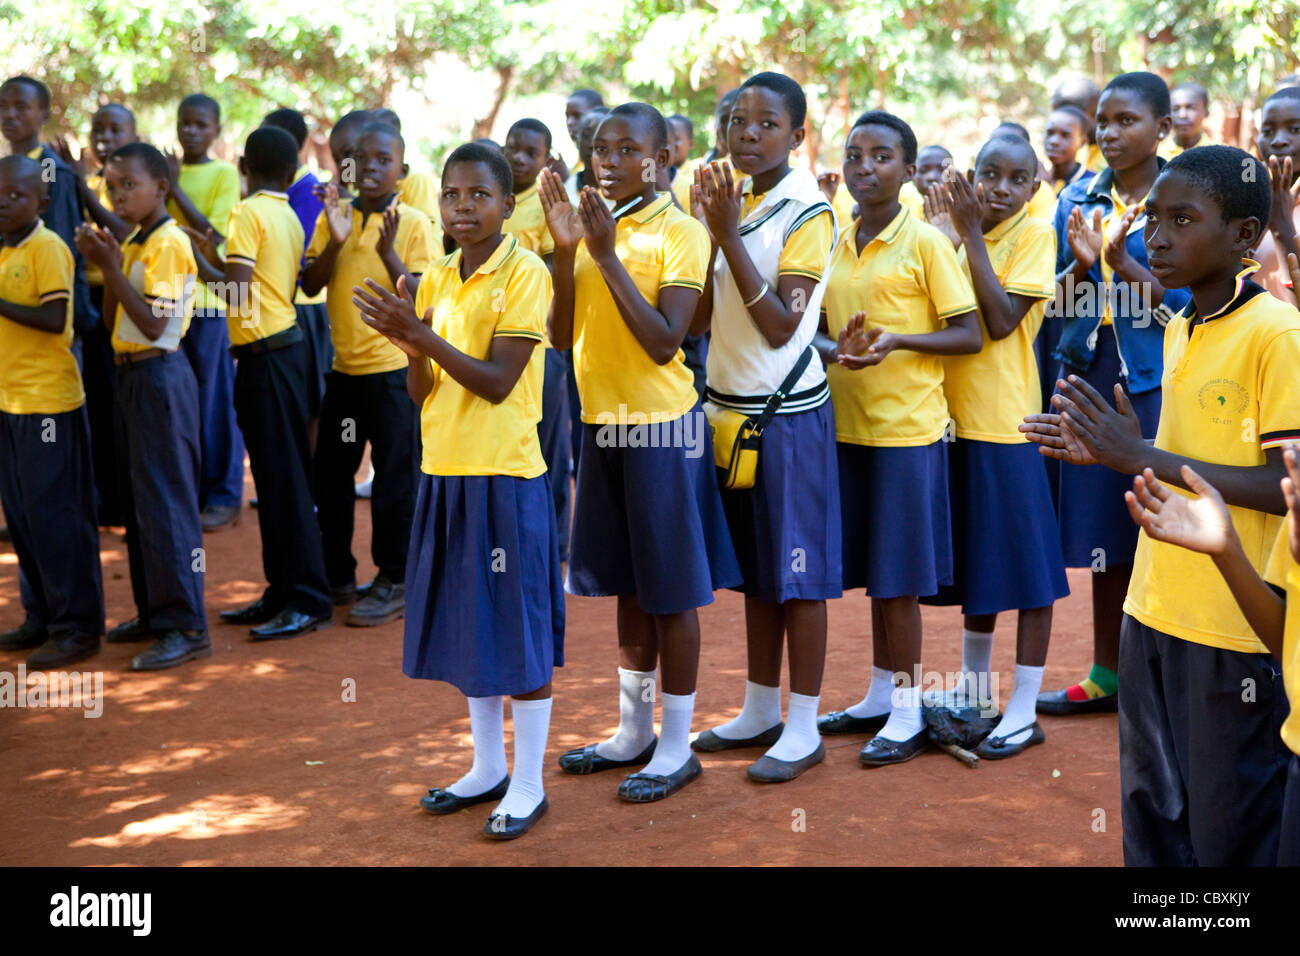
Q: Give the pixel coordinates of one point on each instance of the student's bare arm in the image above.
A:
(659, 331)
(101, 214)
(826, 346)
(194, 218)
(559, 321)
(316, 273)
(140, 311)
(1263, 608)
(962, 336)
(47, 317)
(1002, 311)
(775, 313)
(419, 378)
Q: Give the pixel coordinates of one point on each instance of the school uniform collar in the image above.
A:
(500, 254)
(392, 200)
(651, 210)
(1243, 291)
(886, 235)
(40, 224)
(1101, 184)
(798, 184)
(525, 195)
(1079, 170)
(38, 152)
(272, 193)
(140, 238)
(1001, 230)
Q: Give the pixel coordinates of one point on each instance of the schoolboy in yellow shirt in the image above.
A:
(46, 485)
(377, 237)
(1189, 106)
(148, 299)
(901, 275)
(272, 386)
(1201, 770)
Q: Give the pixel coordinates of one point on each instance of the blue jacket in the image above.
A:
(63, 216)
(1139, 328)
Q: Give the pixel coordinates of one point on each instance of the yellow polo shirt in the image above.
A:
(264, 233)
(95, 183)
(508, 295)
(160, 266)
(989, 393)
(843, 204)
(213, 187)
(1091, 156)
(1042, 204)
(359, 349)
(660, 246)
(683, 182)
(804, 253)
(38, 373)
(908, 281)
(528, 223)
(1230, 391)
(1169, 148)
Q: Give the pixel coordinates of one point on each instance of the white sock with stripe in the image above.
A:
(487, 723)
(762, 711)
(636, 716)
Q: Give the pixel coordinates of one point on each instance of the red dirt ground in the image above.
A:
(252, 757)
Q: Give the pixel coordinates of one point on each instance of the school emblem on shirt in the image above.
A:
(1224, 399)
(19, 273)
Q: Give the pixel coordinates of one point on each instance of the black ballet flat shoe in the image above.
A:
(441, 802)
(502, 826)
(880, 752)
(585, 760)
(997, 748)
(1057, 703)
(710, 743)
(770, 770)
(842, 722)
(649, 787)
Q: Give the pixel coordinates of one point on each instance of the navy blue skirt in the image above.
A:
(1093, 518)
(897, 529)
(484, 602)
(786, 529)
(1006, 547)
(314, 320)
(648, 518)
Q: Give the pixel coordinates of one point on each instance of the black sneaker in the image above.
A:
(384, 602)
(173, 648)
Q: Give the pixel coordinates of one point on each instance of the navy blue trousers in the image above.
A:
(207, 346)
(158, 462)
(48, 494)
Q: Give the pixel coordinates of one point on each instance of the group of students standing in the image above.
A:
(900, 330)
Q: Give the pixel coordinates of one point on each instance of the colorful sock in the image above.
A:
(636, 716)
(1100, 682)
(674, 747)
(905, 720)
(762, 711)
(1020, 708)
(976, 655)
(800, 737)
(487, 723)
(877, 701)
(532, 720)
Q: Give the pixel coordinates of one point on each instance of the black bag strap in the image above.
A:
(776, 398)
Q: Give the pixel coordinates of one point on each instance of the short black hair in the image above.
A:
(1014, 127)
(201, 101)
(889, 120)
(533, 126)
(591, 97)
(645, 113)
(926, 149)
(1078, 115)
(493, 158)
(791, 93)
(1285, 93)
(155, 163)
(374, 128)
(490, 143)
(684, 120)
(1150, 89)
(40, 89)
(596, 112)
(1236, 181)
(117, 108)
(271, 152)
(356, 118)
(1202, 93)
(385, 115)
(291, 121)
(26, 168)
(726, 101)
(1009, 142)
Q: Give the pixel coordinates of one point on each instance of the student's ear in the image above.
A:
(243, 167)
(406, 170)
(796, 137)
(909, 172)
(1246, 234)
(510, 205)
(663, 159)
(1163, 127)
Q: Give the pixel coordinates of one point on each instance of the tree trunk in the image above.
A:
(482, 127)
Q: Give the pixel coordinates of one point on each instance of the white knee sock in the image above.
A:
(488, 724)
(636, 716)
(800, 737)
(1020, 708)
(762, 711)
(976, 655)
(532, 722)
(877, 701)
(905, 720)
(674, 747)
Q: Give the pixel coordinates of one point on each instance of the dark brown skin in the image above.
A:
(23, 197)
